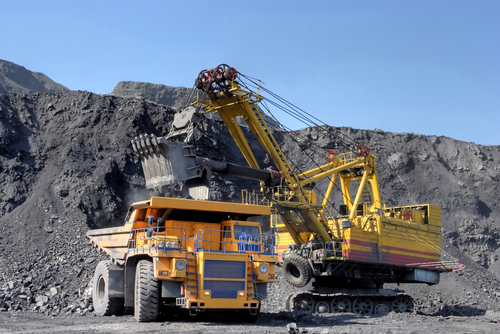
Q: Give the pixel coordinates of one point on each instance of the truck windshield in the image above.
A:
(250, 231)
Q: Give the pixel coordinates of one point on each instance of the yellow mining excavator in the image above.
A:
(348, 256)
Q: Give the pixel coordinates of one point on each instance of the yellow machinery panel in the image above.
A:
(409, 236)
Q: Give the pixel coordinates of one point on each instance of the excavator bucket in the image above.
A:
(170, 160)
(166, 163)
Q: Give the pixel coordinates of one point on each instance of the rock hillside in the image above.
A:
(15, 79)
(175, 97)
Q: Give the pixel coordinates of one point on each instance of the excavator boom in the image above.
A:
(299, 212)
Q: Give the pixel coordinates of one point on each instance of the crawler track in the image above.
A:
(379, 304)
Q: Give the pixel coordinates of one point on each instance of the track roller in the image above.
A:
(381, 309)
(362, 305)
(322, 307)
(403, 304)
(340, 304)
(303, 302)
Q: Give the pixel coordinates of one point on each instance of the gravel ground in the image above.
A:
(27, 322)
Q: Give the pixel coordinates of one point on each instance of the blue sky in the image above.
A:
(427, 67)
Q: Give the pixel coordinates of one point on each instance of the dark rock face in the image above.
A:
(176, 97)
(15, 79)
(66, 165)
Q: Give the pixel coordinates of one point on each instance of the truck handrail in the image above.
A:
(262, 244)
(157, 239)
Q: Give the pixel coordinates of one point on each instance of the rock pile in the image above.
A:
(51, 277)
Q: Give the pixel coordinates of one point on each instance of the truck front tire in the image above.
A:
(146, 292)
(103, 304)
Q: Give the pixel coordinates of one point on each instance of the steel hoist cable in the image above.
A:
(294, 138)
(288, 132)
(297, 112)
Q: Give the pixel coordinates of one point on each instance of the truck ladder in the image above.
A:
(251, 279)
(191, 275)
(367, 196)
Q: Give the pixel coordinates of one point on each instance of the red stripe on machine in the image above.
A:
(399, 259)
(360, 243)
(409, 250)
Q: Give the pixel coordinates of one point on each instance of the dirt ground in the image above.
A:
(28, 322)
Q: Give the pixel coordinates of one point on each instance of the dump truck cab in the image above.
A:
(241, 235)
(184, 254)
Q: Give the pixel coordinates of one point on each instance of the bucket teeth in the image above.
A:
(145, 146)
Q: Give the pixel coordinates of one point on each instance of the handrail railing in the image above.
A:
(348, 157)
(262, 244)
(254, 198)
(143, 240)
(279, 193)
(156, 238)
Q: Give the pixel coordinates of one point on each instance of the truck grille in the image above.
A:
(225, 269)
(224, 289)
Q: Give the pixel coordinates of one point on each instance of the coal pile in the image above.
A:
(176, 97)
(66, 166)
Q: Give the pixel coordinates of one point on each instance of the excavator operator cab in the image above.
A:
(240, 236)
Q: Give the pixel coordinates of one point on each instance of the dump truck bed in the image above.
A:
(114, 241)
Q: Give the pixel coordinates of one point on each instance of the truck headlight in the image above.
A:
(263, 268)
(180, 265)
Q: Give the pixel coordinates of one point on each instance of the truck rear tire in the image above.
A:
(297, 270)
(103, 304)
(146, 292)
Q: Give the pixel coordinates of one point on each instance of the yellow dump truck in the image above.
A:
(175, 254)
